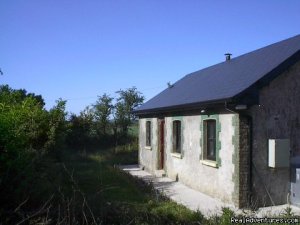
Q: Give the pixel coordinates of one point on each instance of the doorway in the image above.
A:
(161, 149)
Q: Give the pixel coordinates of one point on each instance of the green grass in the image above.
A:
(89, 189)
(134, 130)
(108, 187)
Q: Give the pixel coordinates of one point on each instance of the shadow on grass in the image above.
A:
(86, 188)
(124, 199)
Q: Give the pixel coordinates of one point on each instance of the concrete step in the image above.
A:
(160, 173)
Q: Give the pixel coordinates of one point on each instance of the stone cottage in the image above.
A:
(230, 130)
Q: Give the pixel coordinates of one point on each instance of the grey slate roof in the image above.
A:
(224, 80)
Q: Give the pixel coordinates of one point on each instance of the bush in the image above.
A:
(27, 132)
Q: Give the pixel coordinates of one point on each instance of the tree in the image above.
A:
(81, 131)
(57, 125)
(27, 130)
(131, 98)
(120, 120)
(127, 101)
(12, 96)
(22, 120)
(103, 110)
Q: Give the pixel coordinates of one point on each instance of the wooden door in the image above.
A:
(162, 144)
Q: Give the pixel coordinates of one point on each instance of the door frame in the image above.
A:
(161, 144)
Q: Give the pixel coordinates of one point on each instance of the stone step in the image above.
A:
(160, 173)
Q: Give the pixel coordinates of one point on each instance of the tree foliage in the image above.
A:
(27, 130)
(130, 98)
(11, 96)
(106, 122)
(127, 101)
(82, 131)
(103, 110)
(57, 125)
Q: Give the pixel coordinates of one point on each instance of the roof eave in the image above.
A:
(183, 107)
(268, 77)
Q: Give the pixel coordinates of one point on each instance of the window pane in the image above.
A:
(148, 133)
(211, 129)
(177, 136)
(211, 139)
(211, 154)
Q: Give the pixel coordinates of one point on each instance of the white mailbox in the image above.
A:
(279, 153)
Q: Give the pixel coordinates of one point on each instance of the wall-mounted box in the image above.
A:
(279, 153)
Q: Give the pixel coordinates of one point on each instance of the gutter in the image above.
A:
(184, 107)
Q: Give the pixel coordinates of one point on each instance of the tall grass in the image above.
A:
(87, 189)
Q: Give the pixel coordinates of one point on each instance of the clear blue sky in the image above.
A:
(77, 50)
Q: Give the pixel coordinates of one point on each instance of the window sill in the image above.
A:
(176, 155)
(209, 163)
(148, 147)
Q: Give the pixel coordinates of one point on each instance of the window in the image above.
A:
(148, 133)
(177, 136)
(209, 140)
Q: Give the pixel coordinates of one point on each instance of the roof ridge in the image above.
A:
(242, 55)
(228, 79)
(268, 46)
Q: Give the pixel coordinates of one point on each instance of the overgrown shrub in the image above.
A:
(27, 132)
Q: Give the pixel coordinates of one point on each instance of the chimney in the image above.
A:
(228, 56)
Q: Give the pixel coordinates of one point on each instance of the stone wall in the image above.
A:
(244, 161)
(148, 156)
(241, 160)
(189, 168)
(277, 117)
